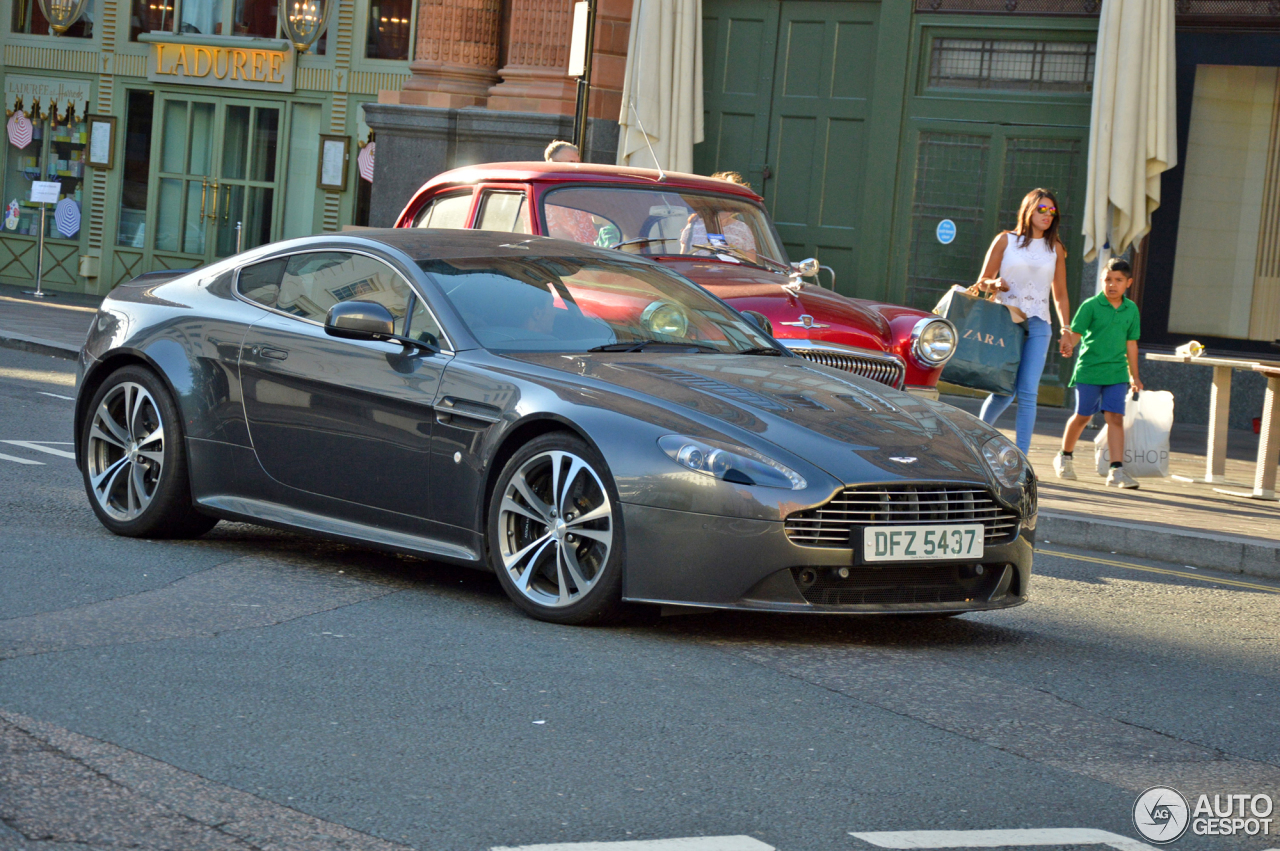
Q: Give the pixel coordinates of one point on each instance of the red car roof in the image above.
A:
(579, 172)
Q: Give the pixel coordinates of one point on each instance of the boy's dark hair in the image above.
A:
(1119, 264)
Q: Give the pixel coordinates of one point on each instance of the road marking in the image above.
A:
(40, 376)
(18, 460)
(57, 395)
(689, 843)
(31, 444)
(1199, 577)
(1000, 838)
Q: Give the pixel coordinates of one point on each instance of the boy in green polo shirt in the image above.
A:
(1106, 370)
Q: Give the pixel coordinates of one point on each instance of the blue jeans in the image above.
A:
(1034, 352)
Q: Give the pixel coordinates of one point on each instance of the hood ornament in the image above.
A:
(805, 321)
(904, 459)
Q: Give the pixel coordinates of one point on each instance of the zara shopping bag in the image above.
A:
(990, 345)
(1147, 423)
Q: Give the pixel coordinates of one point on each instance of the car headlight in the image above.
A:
(933, 341)
(738, 465)
(1005, 460)
(665, 319)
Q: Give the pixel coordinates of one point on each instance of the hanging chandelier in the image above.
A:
(303, 21)
(61, 14)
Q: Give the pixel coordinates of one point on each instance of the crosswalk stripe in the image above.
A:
(15, 459)
(57, 395)
(688, 843)
(30, 444)
(918, 839)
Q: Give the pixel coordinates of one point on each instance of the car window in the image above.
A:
(504, 211)
(448, 212)
(315, 281)
(423, 326)
(261, 281)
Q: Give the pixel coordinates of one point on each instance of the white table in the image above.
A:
(1215, 462)
(1264, 478)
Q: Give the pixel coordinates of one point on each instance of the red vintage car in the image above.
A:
(711, 231)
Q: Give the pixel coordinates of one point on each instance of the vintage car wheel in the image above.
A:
(135, 460)
(555, 532)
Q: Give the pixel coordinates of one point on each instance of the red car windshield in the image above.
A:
(663, 221)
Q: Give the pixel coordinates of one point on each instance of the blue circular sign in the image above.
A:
(946, 231)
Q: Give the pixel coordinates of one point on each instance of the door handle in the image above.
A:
(214, 213)
(274, 354)
(204, 190)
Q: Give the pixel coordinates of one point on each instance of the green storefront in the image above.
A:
(865, 124)
(209, 131)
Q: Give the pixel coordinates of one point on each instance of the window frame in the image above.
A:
(472, 192)
(487, 190)
(446, 346)
(360, 36)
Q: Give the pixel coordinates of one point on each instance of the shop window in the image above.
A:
(390, 25)
(1006, 65)
(1226, 273)
(56, 153)
(151, 16)
(136, 168)
(27, 18)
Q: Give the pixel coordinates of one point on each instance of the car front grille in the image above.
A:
(901, 584)
(890, 371)
(832, 525)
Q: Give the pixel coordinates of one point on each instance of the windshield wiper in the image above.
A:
(645, 240)
(743, 256)
(761, 350)
(639, 345)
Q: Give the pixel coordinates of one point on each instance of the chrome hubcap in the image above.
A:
(125, 453)
(556, 528)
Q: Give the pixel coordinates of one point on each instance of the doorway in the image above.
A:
(215, 167)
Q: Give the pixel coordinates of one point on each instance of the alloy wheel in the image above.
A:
(125, 451)
(555, 525)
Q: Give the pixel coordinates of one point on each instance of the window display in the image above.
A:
(56, 153)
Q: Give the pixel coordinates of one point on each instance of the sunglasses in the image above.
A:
(1045, 208)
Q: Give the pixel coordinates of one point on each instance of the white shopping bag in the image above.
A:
(1147, 422)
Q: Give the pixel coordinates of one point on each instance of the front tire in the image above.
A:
(555, 534)
(135, 459)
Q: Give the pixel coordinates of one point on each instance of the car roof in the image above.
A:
(434, 244)
(545, 172)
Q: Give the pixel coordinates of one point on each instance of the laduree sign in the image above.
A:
(249, 68)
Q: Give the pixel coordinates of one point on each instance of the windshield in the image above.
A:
(576, 304)
(662, 221)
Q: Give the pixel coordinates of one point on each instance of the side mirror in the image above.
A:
(759, 320)
(360, 320)
(806, 268)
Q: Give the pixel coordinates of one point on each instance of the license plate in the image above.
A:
(922, 543)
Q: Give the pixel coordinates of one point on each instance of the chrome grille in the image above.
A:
(832, 524)
(886, 371)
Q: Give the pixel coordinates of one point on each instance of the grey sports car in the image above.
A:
(590, 426)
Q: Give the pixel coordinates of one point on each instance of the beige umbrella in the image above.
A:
(661, 116)
(1132, 135)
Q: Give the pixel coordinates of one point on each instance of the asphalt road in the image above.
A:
(256, 689)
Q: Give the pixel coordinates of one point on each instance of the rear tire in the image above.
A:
(555, 534)
(135, 459)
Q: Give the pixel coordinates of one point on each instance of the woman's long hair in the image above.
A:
(1029, 204)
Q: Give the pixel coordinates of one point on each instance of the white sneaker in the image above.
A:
(1064, 466)
(1118, 478)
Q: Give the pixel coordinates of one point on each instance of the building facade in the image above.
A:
(217, 137)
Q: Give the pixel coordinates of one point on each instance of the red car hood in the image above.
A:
(748, 288)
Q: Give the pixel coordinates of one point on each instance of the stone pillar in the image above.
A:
(457, 53)
(533, 75)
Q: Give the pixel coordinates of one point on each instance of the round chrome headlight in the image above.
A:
(933, 341)
(665, 319)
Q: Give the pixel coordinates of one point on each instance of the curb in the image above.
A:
(1252, 556)
(37, 345)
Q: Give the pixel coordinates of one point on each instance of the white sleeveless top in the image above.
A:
(1028, 272)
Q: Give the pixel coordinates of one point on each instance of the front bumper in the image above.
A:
(685, 559)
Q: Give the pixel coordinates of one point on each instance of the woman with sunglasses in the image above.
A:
(1023, 267)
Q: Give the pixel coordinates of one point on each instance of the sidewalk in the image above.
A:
(1165, 520)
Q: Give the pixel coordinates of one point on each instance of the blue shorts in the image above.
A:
(1108, 397)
